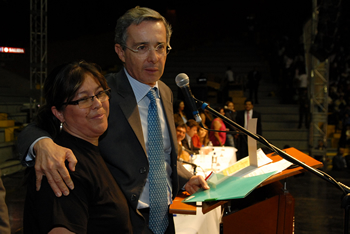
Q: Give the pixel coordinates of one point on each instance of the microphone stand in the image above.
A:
(189, 163)
(345, 189)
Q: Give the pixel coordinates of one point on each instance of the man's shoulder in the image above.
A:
(112, 76)
(256, 113)
(165, 90)
(161, 84)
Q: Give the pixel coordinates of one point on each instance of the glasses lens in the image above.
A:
(85, 103)
(142, 49)
(160, 49)
(102, 96)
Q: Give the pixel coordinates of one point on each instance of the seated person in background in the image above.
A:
(206, 117)
(218, 138)
(191, 130)
(75, 115)
(183, 155)
(179, 112)
(195, 139)
(180, 135)
(180, 132)
(201, 138)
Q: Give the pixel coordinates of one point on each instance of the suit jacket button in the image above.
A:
(143, 170)
(133, 197)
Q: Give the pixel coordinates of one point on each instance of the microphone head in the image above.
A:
(182, 80)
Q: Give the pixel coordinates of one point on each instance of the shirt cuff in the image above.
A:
(31, 154)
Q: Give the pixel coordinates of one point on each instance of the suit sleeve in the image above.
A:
(28, 135)
(184, 175)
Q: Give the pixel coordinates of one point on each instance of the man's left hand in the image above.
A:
(195, 183)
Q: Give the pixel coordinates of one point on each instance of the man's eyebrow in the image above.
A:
(148, 43)
(141, 43)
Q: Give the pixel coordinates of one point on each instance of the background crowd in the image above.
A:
(213, 131)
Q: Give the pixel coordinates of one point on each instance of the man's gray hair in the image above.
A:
(136, 16)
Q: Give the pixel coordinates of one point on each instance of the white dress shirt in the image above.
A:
(245, 118)
(140, 91)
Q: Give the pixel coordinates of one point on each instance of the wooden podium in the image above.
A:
(268, 209)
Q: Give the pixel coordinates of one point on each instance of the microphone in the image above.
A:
(182, 81)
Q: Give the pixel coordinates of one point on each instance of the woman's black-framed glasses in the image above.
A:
(86, 102)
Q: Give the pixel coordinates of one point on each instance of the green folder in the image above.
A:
(230, 188)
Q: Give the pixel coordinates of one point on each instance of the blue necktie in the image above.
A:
(158, 217)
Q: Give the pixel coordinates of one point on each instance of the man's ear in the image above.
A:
(121, 53)
(58, 114)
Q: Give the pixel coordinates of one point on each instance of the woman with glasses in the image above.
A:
(75, 115)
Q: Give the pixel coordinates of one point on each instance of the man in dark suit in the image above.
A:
(142, 43)
(242, 119)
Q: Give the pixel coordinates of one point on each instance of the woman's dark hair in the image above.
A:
(61, 86)
(176, 105)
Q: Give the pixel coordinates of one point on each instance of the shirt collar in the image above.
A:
(140, 89)
(250, 112)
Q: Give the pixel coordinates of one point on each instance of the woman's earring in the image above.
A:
(61, 126)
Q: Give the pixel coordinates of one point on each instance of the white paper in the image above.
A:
(277, 167)
(252, 147)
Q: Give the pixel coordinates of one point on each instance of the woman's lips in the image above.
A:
(98, 116)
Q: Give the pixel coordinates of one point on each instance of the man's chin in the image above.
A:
(152, 78)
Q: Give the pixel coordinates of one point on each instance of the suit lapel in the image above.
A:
(130, 110)
(129, 106)
(167, 104)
